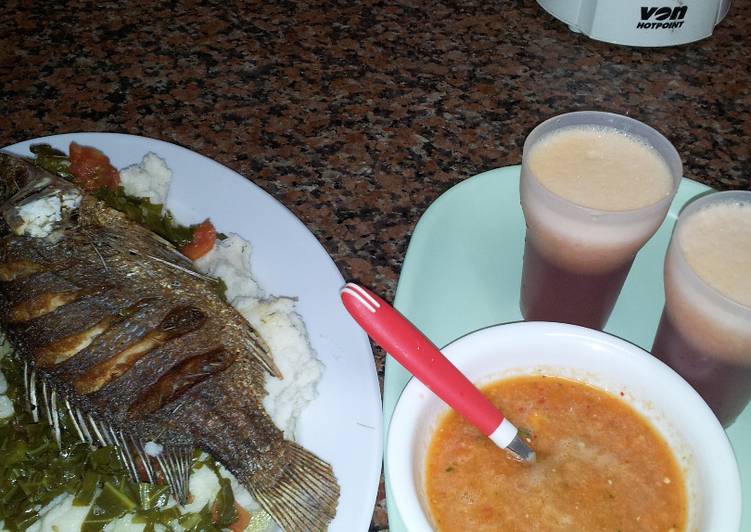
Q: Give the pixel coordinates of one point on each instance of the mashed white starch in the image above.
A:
(278, 324)
(149, 179)
(6, 405)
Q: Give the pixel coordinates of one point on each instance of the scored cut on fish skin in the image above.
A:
(114, 323)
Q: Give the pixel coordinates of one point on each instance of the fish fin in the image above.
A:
(174, 462)
(305, 497)
(260, 351)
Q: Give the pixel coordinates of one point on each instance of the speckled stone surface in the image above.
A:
(357, 115)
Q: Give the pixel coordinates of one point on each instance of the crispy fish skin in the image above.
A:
(120, 323)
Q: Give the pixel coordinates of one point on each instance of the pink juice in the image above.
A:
(723, 384)
(705, 331)
(592, 196)
(552, 293)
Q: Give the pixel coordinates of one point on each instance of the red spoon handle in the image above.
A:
(394, 333)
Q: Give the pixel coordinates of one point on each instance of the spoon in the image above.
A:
(394, 333)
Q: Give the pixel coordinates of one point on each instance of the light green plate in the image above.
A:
(463, 270)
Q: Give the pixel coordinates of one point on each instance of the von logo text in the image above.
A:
(668, 18)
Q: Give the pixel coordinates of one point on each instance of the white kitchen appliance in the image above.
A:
(640, 22)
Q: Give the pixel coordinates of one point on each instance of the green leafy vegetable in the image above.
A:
(52, 160)
(34, 471)
(115, 500)
(150, 215)
(87, 489)
(224, 506)
(152, 496)
(199, 522)
(153, 507)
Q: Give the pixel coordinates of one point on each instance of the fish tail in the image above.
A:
(305, 496)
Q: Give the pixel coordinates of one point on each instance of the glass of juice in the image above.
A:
(705, 330)
(594, 188)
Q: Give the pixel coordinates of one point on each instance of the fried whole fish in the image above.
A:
(117, 329)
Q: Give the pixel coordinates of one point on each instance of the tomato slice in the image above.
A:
(92, 169)
(204, 237)
(243, 519)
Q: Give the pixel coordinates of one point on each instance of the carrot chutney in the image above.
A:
(600, 466)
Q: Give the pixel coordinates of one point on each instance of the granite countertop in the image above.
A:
(357, 115)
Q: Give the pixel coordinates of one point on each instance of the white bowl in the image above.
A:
(678, 413)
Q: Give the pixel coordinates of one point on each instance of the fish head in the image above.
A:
(33, 201)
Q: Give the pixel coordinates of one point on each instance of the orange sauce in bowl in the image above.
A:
(600, 466)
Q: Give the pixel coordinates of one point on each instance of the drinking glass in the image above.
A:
(577, 258)
(705, 333)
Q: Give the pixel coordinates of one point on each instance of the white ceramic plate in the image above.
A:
(343, 425)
